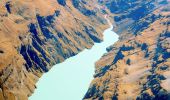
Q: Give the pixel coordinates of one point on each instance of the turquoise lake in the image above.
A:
(70, 80)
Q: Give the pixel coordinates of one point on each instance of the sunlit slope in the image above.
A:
(36, 34)
(137, 66)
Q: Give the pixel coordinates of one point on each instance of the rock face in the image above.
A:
(137, 67)
(36, 34)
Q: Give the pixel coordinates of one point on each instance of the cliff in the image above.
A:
(137, 67)
(36, 34)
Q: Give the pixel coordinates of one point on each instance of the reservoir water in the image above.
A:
(70, 80)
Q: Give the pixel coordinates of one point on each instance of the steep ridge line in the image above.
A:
(137, 66)
(37, 34)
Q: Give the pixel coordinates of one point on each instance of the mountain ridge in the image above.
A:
(36, 34)
(137, 66)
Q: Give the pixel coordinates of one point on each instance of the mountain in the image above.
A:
(137, 67)
(36, 34)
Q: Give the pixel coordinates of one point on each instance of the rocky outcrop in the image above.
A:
(137, 66)
(36, 34)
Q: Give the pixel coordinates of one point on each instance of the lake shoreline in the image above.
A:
(73, 76)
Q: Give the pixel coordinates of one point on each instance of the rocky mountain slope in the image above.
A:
(137, 67)
(36, 34)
